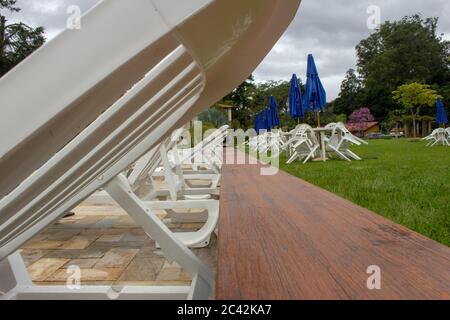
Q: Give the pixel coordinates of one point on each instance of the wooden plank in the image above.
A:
(283, 238)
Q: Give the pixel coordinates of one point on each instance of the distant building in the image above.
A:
(364, 128)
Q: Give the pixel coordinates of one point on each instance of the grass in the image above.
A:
(402, 180)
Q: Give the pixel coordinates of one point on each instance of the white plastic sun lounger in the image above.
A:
(204, 154)
(100, 105)
(156, 164)
(205, 157)
(182, 206)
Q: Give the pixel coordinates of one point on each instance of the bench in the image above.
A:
(283, 238)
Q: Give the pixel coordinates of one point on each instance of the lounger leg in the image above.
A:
(13, 273)
(174, 249)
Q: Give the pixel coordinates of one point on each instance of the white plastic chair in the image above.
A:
(340, 142)
(439, 135)
(304, 144)
(105, 105)
(432, 138)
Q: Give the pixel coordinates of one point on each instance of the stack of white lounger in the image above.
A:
(108, 96)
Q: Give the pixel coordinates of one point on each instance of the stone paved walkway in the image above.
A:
(109, 248)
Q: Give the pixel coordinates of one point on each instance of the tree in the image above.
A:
(349, 97)
(362, 115)
(242, 98)
(214, 117)
(413, 97)
(17, 40)
(393, 120)
(360, 118)
(399, 52)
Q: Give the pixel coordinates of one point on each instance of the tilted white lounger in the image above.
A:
(101, 103)
(184, 210)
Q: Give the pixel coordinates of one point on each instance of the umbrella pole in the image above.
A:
(318, 119)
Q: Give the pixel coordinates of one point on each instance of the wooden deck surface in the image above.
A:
(283, 238)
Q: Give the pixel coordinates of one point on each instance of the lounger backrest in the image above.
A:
(148, 164)
(101, 104)
(211, 140)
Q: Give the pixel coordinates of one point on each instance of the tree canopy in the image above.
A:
(349, 98)
(399, 52)
(17, 40)
(413, 97)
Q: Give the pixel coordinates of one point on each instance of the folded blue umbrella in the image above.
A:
(260, 123)
(315, 97)
(295, 99)
(273, 106)
(441, 115)
(256, 126)
(268, 119)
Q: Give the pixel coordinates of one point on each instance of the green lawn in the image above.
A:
(401, 180)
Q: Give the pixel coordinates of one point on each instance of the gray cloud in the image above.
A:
(329, 29)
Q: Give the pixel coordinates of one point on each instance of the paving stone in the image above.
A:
(116, 251)
(90, 253)
(77, 243)
(129, 237)
(31, 256)
(117, 258)
(141, 269)
(97, 274)
(169, 272)
(90, 220)
(125, 222)
(149, 252)
(100, 232)
(185, 276)
(81, 263)
(44, 245)
(69, 220)
(110, 238)
(137, 231)
(105, 223)
(44, 268)
(63, 235)
(40, 237)
(121, 244)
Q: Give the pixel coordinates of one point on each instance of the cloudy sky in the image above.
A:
(329, 29)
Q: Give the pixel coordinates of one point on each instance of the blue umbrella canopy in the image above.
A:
(296, 99)
(315, 97)
(268, 119)
(260, 123)
(273, 107)
(441, 115)
(257, 123)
